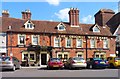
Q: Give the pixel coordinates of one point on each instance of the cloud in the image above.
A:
(88, 19)
(53, 2)
(63, 14)
(116, 10)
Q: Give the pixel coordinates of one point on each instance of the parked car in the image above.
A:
(55, 63)
(114, 62)
(75, 62)
(9, 63)
(93, 63)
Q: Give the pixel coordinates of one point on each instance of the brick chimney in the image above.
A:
(103, 16)
(74, 17)
(26, 14)
(5, 13)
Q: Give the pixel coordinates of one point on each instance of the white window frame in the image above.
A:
(29, 55)
(61, 25)
(94, 29)
(55, 45)
(63, 54)
(77, 43)
(37, 39)
(80, 53)
(91, 45)
(67, 44)
(104, 43)
(19, 39)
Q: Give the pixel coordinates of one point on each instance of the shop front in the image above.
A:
(36, 55)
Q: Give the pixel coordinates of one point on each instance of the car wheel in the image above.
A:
(19, 67)
(111, 65)
(65, 67)
(14, 68)
(70, 67)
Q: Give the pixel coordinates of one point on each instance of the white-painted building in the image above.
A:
(3, 48)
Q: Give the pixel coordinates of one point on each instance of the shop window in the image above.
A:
(97, 56)
(65, 56)
(25, 55)
(60, 56)
(79, 55)
(32, 57)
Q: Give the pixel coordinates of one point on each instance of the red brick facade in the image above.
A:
(47, 31)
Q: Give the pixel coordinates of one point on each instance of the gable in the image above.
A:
(29, 25)
(96, 28)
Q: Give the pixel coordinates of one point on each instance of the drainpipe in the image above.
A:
(86, 37)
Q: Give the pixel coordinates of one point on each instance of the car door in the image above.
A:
(16, 62)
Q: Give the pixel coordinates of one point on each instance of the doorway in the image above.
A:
(43, 59)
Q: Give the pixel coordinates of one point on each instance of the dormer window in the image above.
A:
(96, 28)
(29, 25)
(61, 27)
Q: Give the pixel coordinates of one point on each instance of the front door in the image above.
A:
(43, 59)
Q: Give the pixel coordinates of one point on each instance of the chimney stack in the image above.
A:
(26, 14)
(74, 17)
(5, 13)
(103, 16)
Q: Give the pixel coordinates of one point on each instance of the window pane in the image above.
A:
(22, 39)
(68, 42)
(65, 56)
(61, 27)
(105, 43)
(79, 43)
(32, 57)
(57, 42)
(60, 56)
(25, 56)
(92, 42)
(80, 55)
(35, 40)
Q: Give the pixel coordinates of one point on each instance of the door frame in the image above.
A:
(44, 52)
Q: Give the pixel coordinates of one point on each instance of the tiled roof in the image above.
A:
(114, 22)
(50, 27)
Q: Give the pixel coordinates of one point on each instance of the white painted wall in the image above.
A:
(3, 43)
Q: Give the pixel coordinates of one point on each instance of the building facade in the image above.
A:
(39, 40)
(3, 48)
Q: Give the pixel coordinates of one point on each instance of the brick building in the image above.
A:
(40, 40)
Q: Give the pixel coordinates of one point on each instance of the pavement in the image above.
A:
(42, 66)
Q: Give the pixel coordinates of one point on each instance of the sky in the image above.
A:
(55, 10)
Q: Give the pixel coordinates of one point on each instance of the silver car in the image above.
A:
(9, 63)
(75, 62)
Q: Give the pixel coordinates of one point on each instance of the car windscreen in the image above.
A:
(117, 58)
(55, 60)
(5, 58)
